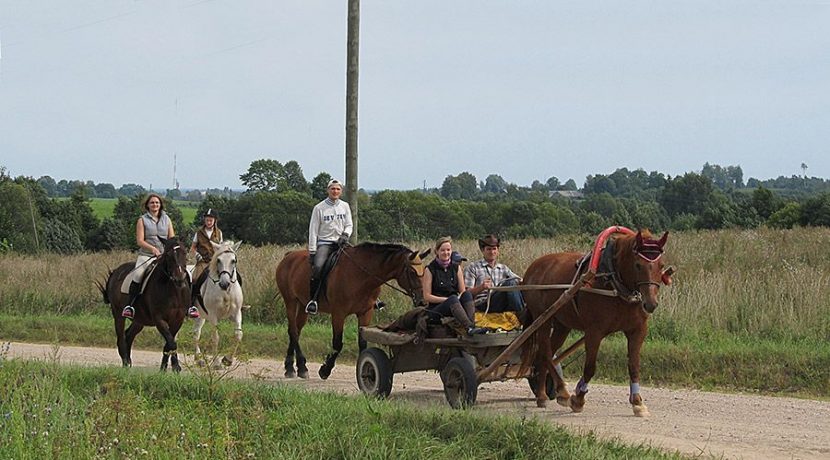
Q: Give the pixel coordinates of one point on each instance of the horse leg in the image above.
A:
(592, 341)
(336, 344)
(293, 336)
(635, 342)
(362, 321)
(174, 358)
(560, 334)
(169, 344)
(214, 345)
(121, 342)
(237, 335)
(540, 367)
(129, 337)
(295, 326)
(197, 334)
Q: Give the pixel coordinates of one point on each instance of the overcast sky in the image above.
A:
(111, 90)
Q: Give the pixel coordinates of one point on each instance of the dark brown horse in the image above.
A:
(634, 269)
(163, 303)
(351, 289)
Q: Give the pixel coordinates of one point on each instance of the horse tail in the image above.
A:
(102, 286)
(529, 352)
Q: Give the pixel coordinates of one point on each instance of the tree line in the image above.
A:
(277, 203)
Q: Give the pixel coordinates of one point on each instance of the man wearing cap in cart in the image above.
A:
(483, 274)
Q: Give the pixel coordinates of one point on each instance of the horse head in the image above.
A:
(409, 278)
(173, 260)
(223, 263)
(640, 265)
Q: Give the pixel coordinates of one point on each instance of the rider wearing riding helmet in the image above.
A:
(202, 246)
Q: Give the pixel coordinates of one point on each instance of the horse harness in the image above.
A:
(609, 274)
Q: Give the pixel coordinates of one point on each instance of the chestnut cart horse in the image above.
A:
(351, 288)
(632, 269)
(163, 303)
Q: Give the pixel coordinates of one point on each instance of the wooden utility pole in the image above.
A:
(352, 65)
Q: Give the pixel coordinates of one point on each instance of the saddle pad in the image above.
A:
(125, 285)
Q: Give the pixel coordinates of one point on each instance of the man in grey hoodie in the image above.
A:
(330, 227)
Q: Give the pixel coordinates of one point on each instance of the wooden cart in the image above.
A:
(463, 362)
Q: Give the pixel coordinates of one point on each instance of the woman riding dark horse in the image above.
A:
(351, 288)
(633, 269)
(163, 303)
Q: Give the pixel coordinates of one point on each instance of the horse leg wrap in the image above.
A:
(581, 387)
(634, 392)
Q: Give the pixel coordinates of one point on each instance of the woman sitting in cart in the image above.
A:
(444, 289)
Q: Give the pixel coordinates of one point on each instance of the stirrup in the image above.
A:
(193, 312)
(128, 312)
(311, 307)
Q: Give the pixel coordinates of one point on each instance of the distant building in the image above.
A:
(569, 194)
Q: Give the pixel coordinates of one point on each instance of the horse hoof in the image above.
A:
(542, 403)
(563, 401)
(303, 374)
(227, 361)
(290, 374)
(575, 405)
(641, 410)
(324, 372)
(177, 369)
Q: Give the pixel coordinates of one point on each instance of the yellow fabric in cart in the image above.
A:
(506, 321)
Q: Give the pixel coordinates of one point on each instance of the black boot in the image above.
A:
(129, 310)
(460, 315)
(311, 306)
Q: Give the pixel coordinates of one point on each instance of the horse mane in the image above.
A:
(388, 250)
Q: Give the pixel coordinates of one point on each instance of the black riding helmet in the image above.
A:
(211, 213)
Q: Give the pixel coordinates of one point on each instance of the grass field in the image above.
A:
(103, 207)
(48, 411)
(748, 309)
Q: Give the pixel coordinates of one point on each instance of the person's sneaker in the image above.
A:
(311, 307)
(472, 330)
(128, 312)
(193, 312)
(379, 304)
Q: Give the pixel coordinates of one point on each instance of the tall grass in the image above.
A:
(764, 283)
(49, 411)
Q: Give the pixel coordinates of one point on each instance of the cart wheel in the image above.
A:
(550, 387)
(374, 373)
(460, 383)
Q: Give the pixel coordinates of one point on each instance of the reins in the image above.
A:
(342, 250)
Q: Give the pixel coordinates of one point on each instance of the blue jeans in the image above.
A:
(436, 311)
(502, 301)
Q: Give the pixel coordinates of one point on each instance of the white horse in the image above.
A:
(222, 294)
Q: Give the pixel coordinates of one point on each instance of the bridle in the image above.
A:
(651, 254)
(162, 260)
(342, 250)
(231, 274)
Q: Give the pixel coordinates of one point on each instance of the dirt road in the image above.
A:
(693, 422)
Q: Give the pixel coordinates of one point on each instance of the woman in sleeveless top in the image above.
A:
(444, 289)
(150, 228)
